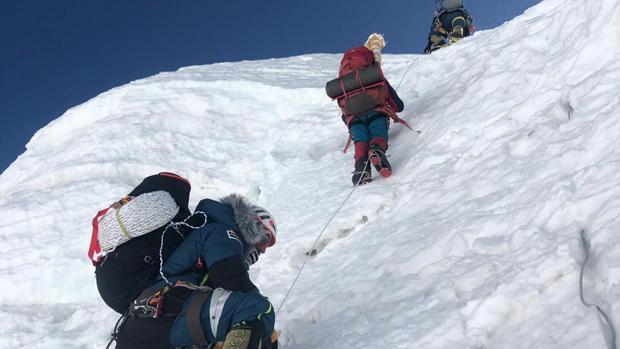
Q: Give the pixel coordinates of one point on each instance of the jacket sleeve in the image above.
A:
(230, 274)
(222, 252)
(400, 106)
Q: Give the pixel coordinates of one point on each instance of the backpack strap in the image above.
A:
(346, 147)
(392, 115)
(193, 320)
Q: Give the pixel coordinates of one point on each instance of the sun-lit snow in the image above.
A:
(472, 243)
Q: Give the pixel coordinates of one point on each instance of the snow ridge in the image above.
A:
(472, 243)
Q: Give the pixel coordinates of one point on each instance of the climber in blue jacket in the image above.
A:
(204, 286)
(235, 235)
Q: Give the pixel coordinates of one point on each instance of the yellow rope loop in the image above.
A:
(120, 224)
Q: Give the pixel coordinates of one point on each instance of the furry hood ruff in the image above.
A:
(245, 217)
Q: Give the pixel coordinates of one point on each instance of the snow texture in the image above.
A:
(472, 243)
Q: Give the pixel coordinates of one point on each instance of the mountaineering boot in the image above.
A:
(245, 335)
(437, 42)
(379, 160)
(457, 32)
(456, 35)
(362, 173)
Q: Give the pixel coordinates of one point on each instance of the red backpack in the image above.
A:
(355, 59)
(361, 86)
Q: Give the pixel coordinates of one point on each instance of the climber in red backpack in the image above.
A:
(366, 100)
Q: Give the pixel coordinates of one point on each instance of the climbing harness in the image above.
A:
(166, 301)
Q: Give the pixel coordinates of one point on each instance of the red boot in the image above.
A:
(379, 160)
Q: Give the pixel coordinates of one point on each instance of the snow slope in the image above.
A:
(472, 243)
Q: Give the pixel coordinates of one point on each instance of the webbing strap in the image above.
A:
(94, 251)
(216, 308)
(192, 320)
(346, 147)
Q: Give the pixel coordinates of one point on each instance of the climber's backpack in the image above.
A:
(360, 86)
(127, 237)
(448, 5)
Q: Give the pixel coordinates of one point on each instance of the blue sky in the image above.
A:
(58, 54)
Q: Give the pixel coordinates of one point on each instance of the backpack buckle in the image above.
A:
(149, 260)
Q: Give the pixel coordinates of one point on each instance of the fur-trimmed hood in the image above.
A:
(245, 217)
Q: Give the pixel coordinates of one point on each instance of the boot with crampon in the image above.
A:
(379, 160)
(362, 173)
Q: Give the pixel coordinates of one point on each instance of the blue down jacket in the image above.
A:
(225, 245)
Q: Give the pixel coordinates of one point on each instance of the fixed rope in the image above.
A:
(404, 74)
(607, 326)
(288, 292)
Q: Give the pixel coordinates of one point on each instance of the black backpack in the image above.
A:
(134, 265)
